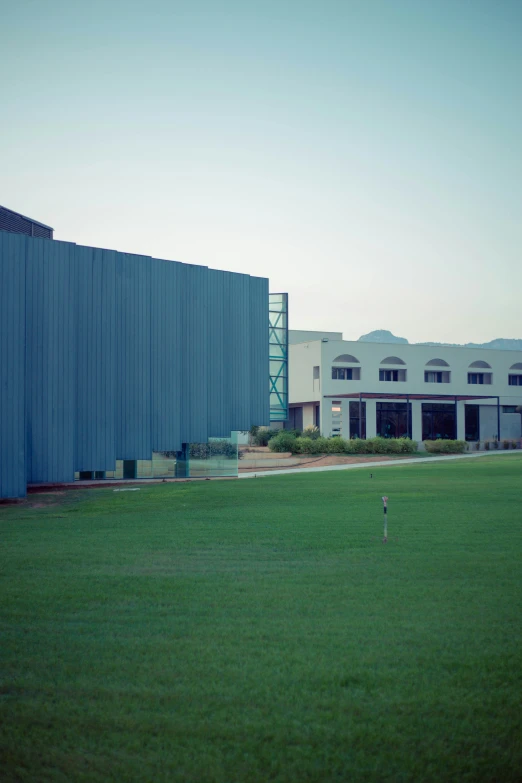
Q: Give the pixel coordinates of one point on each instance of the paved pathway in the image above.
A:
(370, 465)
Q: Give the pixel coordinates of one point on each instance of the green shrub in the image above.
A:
(283, 441)
(304, 445)
(399, 446)
(495, 444)
(217, 448)
(361, 446)
(407, 445)
(506, 444)
(375, 446)
(262, 437)
(380, 445)
(348, 446)
(514, 444)
(337, 446)
(445, 446)
(312, 432)
(321, 445)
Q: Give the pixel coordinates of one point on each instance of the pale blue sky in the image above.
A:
(364, 155)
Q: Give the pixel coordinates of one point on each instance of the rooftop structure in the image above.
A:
(20, 224)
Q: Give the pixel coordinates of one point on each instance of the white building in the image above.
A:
(427, 392)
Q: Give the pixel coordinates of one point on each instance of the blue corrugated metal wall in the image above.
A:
(166, 300)
(95, 347)
(133, 351)
(12, 369)
(106, 355)
(50, 360)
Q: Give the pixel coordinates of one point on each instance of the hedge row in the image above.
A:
(216, 448)
(263, 437)
(445, 446)
(286, 441)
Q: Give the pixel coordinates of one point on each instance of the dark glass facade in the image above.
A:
(438, 421)
(472, 422)
(393, 419)
(295, 418)
(357, 420)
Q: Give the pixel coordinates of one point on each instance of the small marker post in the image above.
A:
(385, 502)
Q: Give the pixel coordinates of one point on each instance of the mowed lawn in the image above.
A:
(259, 630)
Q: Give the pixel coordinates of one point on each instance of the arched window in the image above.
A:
(437, 363)
(480, 377)
(392, 375)
(515, 379)
(437, 376)
(392, 360)
(346, 373)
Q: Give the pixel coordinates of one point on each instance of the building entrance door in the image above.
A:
(129, 469)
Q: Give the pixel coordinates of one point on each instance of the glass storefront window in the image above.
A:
(438, 421)
(357, 420)
(393, 419)
(471, 417)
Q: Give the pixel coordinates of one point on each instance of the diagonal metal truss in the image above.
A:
(278, 342)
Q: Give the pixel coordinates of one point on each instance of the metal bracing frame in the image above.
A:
(278, 343)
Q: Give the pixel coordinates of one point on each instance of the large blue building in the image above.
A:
(107, 356)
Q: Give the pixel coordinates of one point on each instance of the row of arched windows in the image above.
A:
(475, 374)
(347, 357)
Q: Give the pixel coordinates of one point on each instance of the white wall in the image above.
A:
(370, 356)
(303, 357)
(308, 415)
(510, 426)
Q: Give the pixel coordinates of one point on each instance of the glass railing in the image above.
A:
(218, 457)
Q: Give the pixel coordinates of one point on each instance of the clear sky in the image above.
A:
(365, 155)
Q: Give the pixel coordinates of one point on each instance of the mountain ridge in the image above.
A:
(385, 336)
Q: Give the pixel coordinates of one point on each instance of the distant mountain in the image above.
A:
(381, 336)
(384, 336)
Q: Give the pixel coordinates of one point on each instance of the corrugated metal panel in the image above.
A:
(133, 357)
(95, 309)
(195, 354)
(166, 318)
(12, 365)
(217, 400)
(236, 350)
(124, 355)
(50, 361)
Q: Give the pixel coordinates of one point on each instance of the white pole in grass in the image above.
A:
(385, 501)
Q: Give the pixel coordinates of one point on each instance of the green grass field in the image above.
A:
(259, 630)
